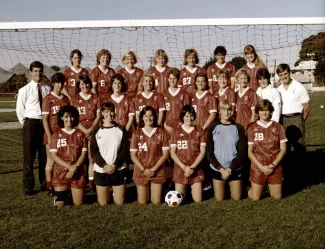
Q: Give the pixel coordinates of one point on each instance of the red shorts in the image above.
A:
(140, 179)
(178, 176)
(258, 177)
(77, 181)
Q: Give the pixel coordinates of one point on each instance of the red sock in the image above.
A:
(90, 183)
(49, 185)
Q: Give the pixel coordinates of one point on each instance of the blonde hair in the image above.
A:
(162, 53)
(146, 74)
(130, 54)
(249, 49)
(242, 71)
(103, 52)
(189, 52)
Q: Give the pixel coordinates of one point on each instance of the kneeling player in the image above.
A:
(68, 150)
(188, 146)
(266, 148)
(226, 147)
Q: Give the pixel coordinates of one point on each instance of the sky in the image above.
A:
(68, 10)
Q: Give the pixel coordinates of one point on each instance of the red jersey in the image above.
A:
(71, 78)
(266, 139)
(161, 79)
(245, 103)
(174, 103)
(69, 144)
(253, 84)
(51, 105)
(154, 99)
(123, 108)
(188, 143)
(203, 106)
(149, 146)
(132, 79)
(226, 94)
(101, 79)
(87, 108)
(187, 79)
(214, 68)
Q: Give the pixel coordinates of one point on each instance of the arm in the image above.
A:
(20, 107)
(199, 157)
(65, 92)
(306, 110)
(136, 161)
(59, 161)
(209, 120)
(130, 122)
(176, 158)
(238, 161)
(283, 150)
(160, 118)
(162, 159)
(169, 129)
(210, 149)
(47, 129)
(123, 151)
(254, 160)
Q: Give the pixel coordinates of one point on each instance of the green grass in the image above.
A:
(8, 117)
(7, 105)
(10, 97)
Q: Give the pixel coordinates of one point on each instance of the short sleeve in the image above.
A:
(53, 145)
(250, 135)
(45, 105)
(304, 95)
(134, 142)
(161, 103)
(282, 135)
(212, 103)
(203, 138)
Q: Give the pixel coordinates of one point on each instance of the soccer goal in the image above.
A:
(276, 40)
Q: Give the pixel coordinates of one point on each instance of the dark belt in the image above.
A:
(33, 119)
(291, 115)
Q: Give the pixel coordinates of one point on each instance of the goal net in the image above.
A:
(276, 40)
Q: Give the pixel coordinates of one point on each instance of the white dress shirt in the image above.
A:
(28, 105)
(272, 94)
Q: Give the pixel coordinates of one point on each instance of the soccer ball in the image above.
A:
(173, 198)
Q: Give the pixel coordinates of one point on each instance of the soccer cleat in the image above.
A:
(207, 187)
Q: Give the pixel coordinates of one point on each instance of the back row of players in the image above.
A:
(164, 90)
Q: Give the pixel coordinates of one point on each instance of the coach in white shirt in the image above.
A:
(29, 114)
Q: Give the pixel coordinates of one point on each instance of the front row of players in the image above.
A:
(150, 146)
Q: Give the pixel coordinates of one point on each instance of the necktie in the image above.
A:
(39, 95)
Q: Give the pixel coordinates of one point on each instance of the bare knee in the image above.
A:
(277, 196)
(236, 197)
(119, 201)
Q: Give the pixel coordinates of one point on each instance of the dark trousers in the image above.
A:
(33, 134)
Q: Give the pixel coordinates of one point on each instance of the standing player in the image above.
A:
(226, 151)
(266, 148)
(203, 102)
(175, 98)
(246, 100)
(159, 71)
(266, 91)
(220, 54)
(101, 75)
(131, 74)
(225, 92)
(149, 97)
(109, 148)
(253, 64)
(68, 150)
(188, 73)
(72, 74)
(149, 151)
(188, 147)
(51, 106)
(88, 107)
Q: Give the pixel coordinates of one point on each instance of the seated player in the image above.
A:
(266, 148)
(188, 73)
(68, 151)
(101, 75)
(132, 75)
(188, 147)
(149, 152)
(220, 54)
(246, 100)
(226, 151)
(109, 150)
(51, 106)
(88, 106)
(149, 97)
(159, 71)
(72, 74)
(253, 64)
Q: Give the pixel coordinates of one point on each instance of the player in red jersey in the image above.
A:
(203, 102)
(149, 97)
(253, 64)
(246, 100)
(188, 73)
(149, 151)
(101, 75)
(188, 147)
(159, 71)
(124, 113)
(131, 74)
(220, 54)
(266, 148)
(175, 98)
(225, 92)
(72, 74)
(68, 150)
(51, 106)
(88, 106)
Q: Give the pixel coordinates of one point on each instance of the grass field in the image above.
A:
(8, 117)
(296, 221)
